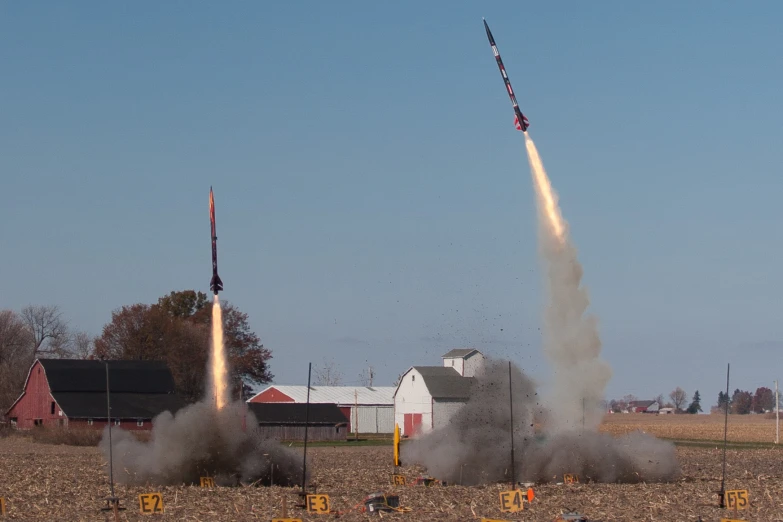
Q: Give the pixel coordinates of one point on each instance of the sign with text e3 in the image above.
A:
(398, 480)
(318, 503)
(150, 503)
(511, 501)
(570, 478)
(736, 499)
(207, 482)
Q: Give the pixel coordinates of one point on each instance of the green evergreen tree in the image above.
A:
(695, 406)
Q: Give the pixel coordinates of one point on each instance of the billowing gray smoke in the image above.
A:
(475, 447)
(201, 441)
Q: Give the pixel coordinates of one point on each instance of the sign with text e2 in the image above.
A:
(318, 503)
(207, 482)
(511, 501)
(736, 499)
(150, 503)
(570, 478)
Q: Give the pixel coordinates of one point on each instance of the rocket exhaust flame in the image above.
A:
(546, 197)
(217, 359)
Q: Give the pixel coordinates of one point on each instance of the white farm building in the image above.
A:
(427, 396)
(370, 409)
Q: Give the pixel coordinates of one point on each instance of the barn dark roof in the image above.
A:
(444, 382)
(69, 375)
(294, 413)
(90, 405)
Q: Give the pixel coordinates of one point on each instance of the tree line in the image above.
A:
(176, 329)
(741, 402)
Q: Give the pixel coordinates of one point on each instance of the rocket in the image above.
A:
(215, 284)
(520, 122)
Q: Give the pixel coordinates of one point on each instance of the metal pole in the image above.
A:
(777, 414)
(307, 421)
(511, 430)
(108, 420)
(725, 440)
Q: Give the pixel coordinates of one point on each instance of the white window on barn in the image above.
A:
(117, 422)
(139, 423)
(89, 422)
(13, 421)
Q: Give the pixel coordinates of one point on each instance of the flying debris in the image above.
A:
(520, 122)
(215, 284)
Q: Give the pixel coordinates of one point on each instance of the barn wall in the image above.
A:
(373, 419)
(314, 433)
(271, 395)
(128, 425)
(458, 363)
(443, 410)
(413, 397)
(36, 403)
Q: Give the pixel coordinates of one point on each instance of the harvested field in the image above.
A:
(742, 428)
(46, 482)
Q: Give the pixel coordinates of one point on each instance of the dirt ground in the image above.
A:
(54, 483)
(741, 428)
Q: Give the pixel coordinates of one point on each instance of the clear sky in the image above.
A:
(373, 199)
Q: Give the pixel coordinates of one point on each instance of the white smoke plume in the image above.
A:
(475, 446)
(202, 441)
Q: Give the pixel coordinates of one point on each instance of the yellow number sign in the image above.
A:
(570, 478)
(511, 501)
(318, 503)
(150, 503)
(2, 506)
(207, 482)
(398, 480)
(736, 499)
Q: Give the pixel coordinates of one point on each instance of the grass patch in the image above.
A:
(68, 437)
(699, 443)
(350, 443)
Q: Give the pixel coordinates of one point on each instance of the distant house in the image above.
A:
(428, 396)
(643, 407)
(286, 421)
(367, 409)
(72, 393)
(666, 411)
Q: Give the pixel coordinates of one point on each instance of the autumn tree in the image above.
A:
(49, 330)
(741, 402)
(723, 402)
(678, 398)
(763, 400)
(177, 330)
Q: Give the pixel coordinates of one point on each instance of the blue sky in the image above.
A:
(373, 198)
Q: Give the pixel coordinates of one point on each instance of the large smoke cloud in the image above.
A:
(476, 444)
(475, 447)
(201, 441)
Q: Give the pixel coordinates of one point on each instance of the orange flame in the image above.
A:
(218, 366)
(546, 195)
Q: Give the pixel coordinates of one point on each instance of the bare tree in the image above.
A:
(16, 356)
(628, 399)
(678, 397)
(660, 400)
(327, 374)
(367, 376)
(48, 328)
(81, 345)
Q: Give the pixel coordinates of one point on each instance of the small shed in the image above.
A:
(287, 421)
(368, 409)
(72, 393)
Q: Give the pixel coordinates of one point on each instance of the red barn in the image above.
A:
(71, 393)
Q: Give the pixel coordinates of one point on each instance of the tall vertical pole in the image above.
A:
(108, 420)
(307, 422)
(511, 428)
(356, 414)
(777, 415)
(725, 441)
